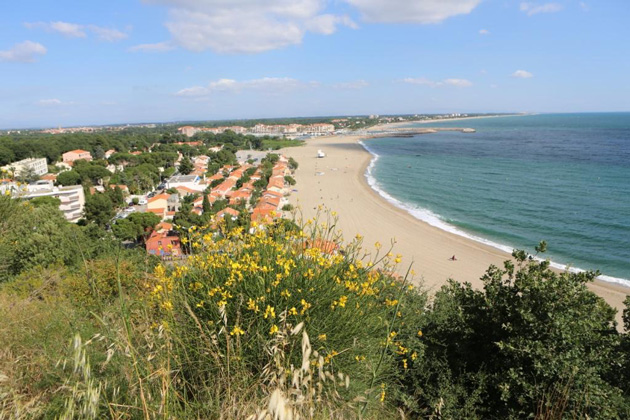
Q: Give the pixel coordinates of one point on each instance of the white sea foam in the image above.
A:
(433, 219)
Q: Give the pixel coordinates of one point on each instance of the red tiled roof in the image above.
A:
(162, 196)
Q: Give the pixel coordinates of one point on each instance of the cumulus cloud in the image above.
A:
(247, 26)
(356, 84)
(156, 47)
(273, 84)
(24, 52)
(522, 74)
(432, 83)
(484, 32)
(70, 30)
(254, 26)
(327, 24)
(533, 8)
(409, 11)
(76, 30)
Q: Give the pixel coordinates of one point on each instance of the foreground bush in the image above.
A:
(234, 304)
(531, 344)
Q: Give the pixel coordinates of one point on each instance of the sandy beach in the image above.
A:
(338, 182)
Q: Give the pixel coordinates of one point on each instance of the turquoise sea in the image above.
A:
(563, 178)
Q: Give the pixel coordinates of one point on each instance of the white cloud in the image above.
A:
(484, 32)
(70, 30)
(412, 11)
(327, 24)
(534, 8)
(584, 6)
(272, 84)
(419, 81)
(458, 82)
(356, 84)
(24, 52)
(247, 26)
(522, 74)
(49, 102)
(76, 30)
(157, 47)
(445, 82)
(108, 34)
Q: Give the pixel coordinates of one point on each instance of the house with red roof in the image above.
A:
(164, 242)
(72, 155)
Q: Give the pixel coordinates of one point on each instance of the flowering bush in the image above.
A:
(240, 290)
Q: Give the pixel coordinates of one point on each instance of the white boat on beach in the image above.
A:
(320, 154)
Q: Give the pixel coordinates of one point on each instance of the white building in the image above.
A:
(72, 198)
(192, 182)
(38, 166)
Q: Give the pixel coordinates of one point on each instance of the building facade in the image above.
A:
(37, 166)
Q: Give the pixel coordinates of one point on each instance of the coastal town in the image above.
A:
(243, 188)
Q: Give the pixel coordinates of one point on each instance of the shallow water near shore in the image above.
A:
(563, 178)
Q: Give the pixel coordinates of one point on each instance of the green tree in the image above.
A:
(185, 166)
(116, 196)
(69, 178)
(99, 209)
(135, 227)
(33, 236)
(45, 201)
(529, 341)
(205, 204)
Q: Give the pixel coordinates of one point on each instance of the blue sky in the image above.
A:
(70, 62)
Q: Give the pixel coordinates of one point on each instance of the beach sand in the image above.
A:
(338, 182)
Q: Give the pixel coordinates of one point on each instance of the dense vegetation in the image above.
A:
(271, 323)
(15, 147)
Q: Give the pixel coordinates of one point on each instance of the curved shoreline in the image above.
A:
(438, 223)
(338, 181)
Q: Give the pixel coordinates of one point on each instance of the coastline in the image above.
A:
(406, 123)
(339, 182)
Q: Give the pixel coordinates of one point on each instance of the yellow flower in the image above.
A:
(382, 392)
(419, 333)
(377, 245)
(270, 312)
(252, 305)
(167, 305)
(305, 306)
(293, 311)
(273, 330)
(359, 358)
(285, 293)
(389, 302)
(237, 331)
(414, 355)
(405, 363)
(322, 337)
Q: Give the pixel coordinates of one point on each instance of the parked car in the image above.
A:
(143, 202)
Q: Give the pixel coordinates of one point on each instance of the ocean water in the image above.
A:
(562, 178)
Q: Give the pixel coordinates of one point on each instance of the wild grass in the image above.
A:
(267, 324)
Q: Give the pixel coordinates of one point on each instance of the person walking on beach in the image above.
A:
(453, 258)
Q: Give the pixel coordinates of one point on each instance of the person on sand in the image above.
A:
(453, 258)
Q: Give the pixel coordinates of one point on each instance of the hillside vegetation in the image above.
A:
(292, 322)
